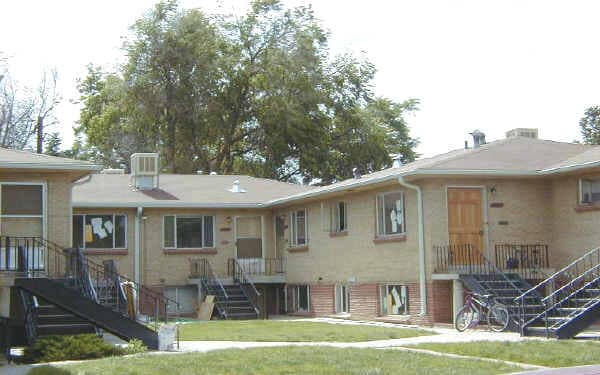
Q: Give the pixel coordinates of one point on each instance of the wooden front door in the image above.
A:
(465, 220)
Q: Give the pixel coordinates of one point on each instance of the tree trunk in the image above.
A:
(40, 134)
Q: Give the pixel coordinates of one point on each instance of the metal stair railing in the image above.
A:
(246, 285)
(561, 286)
(203, 269)
(31, 315)
(466, 259)
(40, 258)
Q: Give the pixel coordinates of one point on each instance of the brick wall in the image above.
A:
(322, 299)
(440, 301)
(364, 300)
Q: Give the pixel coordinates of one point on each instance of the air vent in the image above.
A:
(144, 170)
(236, 187)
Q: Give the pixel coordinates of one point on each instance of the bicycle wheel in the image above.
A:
(498, 317)
(464, 318)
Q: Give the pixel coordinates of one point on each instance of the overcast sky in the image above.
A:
(490, 65)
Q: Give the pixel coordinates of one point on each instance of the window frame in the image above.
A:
(296, 298)
(381, 211)
(44, 214)
(214, 237)
(342, 290)
(383, 292)
(294, 228)
(581, 182)
(114, 215)
(335, 217)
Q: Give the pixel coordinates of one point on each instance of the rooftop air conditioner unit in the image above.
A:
(145, 170)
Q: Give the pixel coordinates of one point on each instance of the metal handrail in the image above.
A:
(575, 272)
(240, 275)
(44, 258)
(552, 278)
(209, 274)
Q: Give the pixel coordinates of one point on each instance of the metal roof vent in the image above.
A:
(396, 161)
(213, 173)
(478, 138)
(356, 172)
(236, 188)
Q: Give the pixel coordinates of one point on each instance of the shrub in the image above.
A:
(61, 348)
(135, 346)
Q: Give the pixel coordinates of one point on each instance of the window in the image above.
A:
(299, 298)
(298, 228)
(339, 217)
(185, 296)
(100, 231)
(188, 232)
(394, 300)
(589, 190)
(22, 209)
(342, 299)
(390, 214)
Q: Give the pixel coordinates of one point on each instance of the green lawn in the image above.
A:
(290, 360)
(542, 353)
(276, 330)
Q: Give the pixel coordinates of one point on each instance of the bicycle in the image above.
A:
(470, 314)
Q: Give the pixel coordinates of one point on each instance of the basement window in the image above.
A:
(394, 300)
(299, 298)
(589, 191)
(188, 232)
(100, 231)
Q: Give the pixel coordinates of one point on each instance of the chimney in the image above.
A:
(478, 138)
(145, 170)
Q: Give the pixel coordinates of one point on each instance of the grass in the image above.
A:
(542, 353)
(290, 360)
(276, 330)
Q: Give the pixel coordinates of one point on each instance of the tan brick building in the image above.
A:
(371, 246)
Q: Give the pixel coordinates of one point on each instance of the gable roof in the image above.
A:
(515, 156)
(16, 159)
(193, 191)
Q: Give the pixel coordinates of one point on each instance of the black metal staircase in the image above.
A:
(569, 300)
(63, 292)
(236, 301)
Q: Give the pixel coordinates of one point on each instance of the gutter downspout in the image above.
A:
(137, 271)
(421, 220)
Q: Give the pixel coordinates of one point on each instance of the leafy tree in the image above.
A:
(590, 125)
(53, 142)
(257, 94)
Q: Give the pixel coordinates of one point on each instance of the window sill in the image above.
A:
(338, 234)
(298, 249)
(105, 251)
(202, 250)
(386, 239)
(587, 207)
